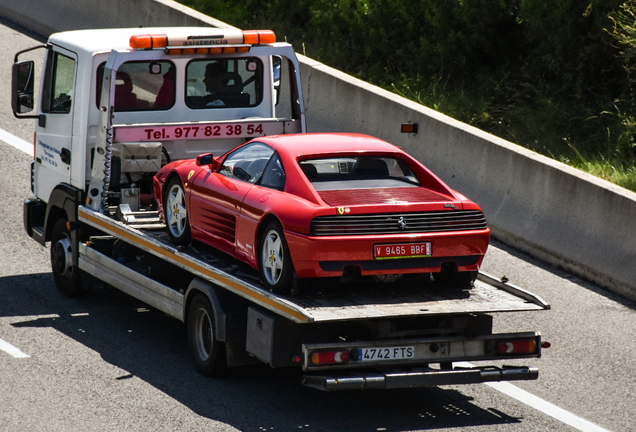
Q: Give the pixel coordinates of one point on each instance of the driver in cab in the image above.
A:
(211, 80)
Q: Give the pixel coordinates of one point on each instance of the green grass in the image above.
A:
(599, 145)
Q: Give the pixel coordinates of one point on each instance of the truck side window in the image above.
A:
(232, 83)
(58, 85)
(141, 86)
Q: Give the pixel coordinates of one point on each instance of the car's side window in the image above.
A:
(274, 175)
(247, 163)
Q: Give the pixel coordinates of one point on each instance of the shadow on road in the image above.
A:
(151, 346)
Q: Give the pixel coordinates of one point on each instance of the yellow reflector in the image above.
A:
(409, 128)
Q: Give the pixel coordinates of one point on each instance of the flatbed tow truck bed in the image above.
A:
(281, 328)
(489, 295)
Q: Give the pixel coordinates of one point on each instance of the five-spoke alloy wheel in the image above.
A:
(176, 213)
(276, 265)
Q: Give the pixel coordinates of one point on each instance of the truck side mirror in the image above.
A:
(22, 87)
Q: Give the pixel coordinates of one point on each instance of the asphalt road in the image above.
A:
(105, 362)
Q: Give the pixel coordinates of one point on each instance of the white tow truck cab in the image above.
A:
(168, 94)
(115, 105)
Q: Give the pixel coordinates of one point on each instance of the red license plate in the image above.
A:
(402, 250)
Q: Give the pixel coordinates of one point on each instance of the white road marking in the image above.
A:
(11, 350)
(16, 142)
(541, 405)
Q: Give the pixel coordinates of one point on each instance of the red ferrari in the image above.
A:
(324, 205)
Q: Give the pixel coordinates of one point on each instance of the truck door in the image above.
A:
(54, 129)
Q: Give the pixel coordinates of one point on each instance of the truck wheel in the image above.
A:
(66, 275)
(276, 265)
(176, 213)
(207, 352)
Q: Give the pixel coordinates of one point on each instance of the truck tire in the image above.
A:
(276, 266)
(66, 275)
(207, 352)
(176, 213)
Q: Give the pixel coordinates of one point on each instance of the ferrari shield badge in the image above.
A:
(343, 210)
(190, 174)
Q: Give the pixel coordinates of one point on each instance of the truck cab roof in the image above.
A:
(104, 40)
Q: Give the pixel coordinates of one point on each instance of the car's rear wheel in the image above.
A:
(276, 266)
(176, 213)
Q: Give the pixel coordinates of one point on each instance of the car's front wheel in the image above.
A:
(276, 266)
(176, 213)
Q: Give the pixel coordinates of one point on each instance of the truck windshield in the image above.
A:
(142, 86)
(227, 83)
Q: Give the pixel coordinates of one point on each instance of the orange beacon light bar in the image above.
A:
(247, 37)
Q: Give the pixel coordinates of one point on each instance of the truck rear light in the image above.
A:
(517, 347)
(329, 357)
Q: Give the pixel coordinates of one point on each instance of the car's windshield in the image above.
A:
(358, 172)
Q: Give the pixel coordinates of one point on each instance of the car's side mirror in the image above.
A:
(207, 159)
(22, 87)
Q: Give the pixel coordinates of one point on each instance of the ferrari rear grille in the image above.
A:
(398, 223)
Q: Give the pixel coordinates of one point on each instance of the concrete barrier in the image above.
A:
(541, 206)
(49, 16)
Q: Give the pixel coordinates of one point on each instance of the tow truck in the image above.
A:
(114, 105)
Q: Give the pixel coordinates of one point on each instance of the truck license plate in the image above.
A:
(386, 353)
(402, 250)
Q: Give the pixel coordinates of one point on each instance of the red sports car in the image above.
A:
(323, 205)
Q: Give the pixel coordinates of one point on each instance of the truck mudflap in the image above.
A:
(422, 377)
